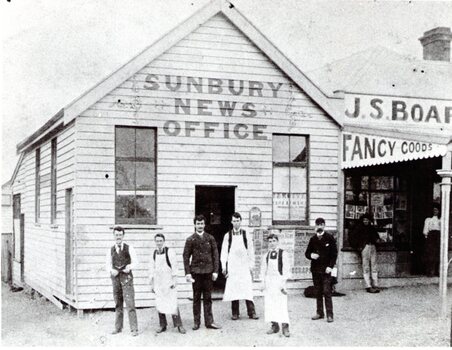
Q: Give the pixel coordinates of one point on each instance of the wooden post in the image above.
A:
(80, 313)
(446, 175)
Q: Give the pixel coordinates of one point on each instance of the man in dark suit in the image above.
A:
(202, 271)
(322, 251)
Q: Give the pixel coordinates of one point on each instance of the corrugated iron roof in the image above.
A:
(381, 71)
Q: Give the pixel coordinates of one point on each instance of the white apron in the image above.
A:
(239, 285)
(275, 302)
(165, 297)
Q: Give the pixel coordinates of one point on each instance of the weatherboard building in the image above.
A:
(210, 119)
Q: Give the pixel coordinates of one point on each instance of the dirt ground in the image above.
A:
(402, 316)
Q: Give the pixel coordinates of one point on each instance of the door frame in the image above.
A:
(220, 282)
(69, 236)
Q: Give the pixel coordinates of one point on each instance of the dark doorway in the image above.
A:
(423, 179)
(217, 204)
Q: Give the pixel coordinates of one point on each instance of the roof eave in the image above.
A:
(40, 132)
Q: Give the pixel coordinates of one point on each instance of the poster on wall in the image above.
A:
(293, 242)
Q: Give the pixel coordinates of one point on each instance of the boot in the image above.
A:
(285, 330)
(274, 328)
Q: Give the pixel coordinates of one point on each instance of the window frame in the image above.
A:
(53, 180)
(289, 165)
(37, 184)
(395, 243)
(136, 221)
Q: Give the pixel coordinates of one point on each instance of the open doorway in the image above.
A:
(217, 204)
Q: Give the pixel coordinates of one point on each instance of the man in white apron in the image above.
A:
(275, 271)
(162, 275)
(237, 261)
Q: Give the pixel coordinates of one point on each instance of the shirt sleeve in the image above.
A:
(108, 262)
(309, 250)
(224, 251)
(186, 256)
(151, 266)
(333, 252)
(263, 266)
(216, 260)
(286, 266)
(173, 261)
(250, 249)
(426, 226)
(133, 257)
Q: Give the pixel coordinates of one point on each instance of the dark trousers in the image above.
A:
(432, 249)
(322, 284)
(177, 322)
(235, 307)
(202, 286)
(123, 291)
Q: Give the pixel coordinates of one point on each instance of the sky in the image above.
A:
(53, 51)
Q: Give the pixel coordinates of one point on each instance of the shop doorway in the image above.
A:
(423, 197)
(217, 204)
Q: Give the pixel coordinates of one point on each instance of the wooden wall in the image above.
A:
(44, 250)
(215, 50)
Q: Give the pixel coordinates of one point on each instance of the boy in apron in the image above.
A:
(275, 271)
(162, 275)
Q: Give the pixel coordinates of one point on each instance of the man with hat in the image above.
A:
(322, 251)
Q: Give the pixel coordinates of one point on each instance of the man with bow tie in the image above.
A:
(275, 270)
(237, 261)
(121, 259)
(322, 251)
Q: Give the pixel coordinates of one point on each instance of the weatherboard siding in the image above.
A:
(216, 50)
(44, 250)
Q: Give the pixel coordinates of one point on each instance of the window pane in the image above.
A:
(298, 150)
(125, 175)
(381, 183)
(298, 188)
(145, 175)
(297, 210)
(280, 148)
(125, 206)
(281, 179)
(280, 206)
(145, 207)
(145, 143)
(365, 182)
(298, 180)
(125, 142)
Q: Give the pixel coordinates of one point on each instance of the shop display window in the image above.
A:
(385, 198)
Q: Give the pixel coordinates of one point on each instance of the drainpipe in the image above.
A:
(446, 175)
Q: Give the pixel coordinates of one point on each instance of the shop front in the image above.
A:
(390, 170)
